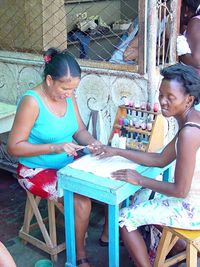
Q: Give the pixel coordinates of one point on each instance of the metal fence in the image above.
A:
(88, 29)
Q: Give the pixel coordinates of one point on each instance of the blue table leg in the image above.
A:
(113, 230)
(167, 174)
(126, 203)
(69, 229)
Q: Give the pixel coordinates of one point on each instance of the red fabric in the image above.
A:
(40, 182)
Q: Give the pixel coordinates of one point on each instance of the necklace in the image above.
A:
(50, 106)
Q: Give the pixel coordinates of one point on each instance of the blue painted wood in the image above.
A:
(113, 211)
(106, 190)
(69, 228)
(167, 175)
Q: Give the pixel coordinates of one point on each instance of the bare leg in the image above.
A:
(136, 247)
(104, 234)
(82, 213)
(5, 257)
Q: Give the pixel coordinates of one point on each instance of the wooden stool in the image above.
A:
(169, 237)
(50, 238)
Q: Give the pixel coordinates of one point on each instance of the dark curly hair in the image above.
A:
(187, 76)
(59, 64)
(193, 5)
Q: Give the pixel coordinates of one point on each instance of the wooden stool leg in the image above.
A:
(40, 220)
(191, 258)
(28, 215)
(52, 227)
(49, 244)
(27, 219)
(163, 248)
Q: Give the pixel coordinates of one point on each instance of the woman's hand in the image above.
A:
(103, 151)
(127, 175)
(69, 148)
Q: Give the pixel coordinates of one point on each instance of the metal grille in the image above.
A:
(32, 26)
(103, 24)
(88, 29)
(163, 33)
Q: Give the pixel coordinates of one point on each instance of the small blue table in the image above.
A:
(103, 189)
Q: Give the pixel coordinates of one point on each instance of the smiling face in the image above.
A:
(62, 88)
(173, 99)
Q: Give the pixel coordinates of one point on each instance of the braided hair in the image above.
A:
(59, 64)
(187, 76)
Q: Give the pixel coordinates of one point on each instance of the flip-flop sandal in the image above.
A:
(82, 261)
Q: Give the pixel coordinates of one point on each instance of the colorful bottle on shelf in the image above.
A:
(115, 139)
(156, 107)
(148, 106)
(149, 125)
(143, 105)
(122, 138)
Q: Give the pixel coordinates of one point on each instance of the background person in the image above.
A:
(46, 122)
(127, 51)
(188, 44)
(178, 202)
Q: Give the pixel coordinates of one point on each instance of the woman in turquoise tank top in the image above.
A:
(46, 122)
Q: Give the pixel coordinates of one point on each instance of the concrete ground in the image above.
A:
(12, 202)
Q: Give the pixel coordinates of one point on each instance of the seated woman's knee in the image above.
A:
(82, 202)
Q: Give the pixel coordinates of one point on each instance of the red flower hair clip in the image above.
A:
(47, 58)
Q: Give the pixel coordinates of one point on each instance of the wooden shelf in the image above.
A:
(147, 141)
(132, 129)
(140, 110)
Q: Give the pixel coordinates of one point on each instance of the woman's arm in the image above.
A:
(193, 38)
(131, 52)
(82, 136)
(25, 118)
(144, 158)
(184, 169)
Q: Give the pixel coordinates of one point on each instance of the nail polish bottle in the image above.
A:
(115, 139)
(137, 104)
(143, 105)
(122, 138)
(148, 106)
(126, 101)
(143, 125)
(149, 126)
(156, 107)
(121, 121)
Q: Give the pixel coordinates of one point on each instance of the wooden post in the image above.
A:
(54, 24)
(151, 47)
(174, 29)
(142, 6)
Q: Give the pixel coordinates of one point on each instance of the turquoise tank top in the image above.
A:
(50, 129)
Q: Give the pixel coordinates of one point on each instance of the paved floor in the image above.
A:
(12, 203)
